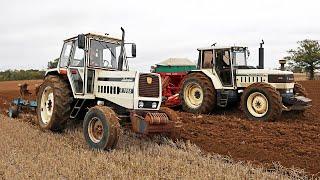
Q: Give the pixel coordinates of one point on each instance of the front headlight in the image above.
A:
(140, 104)
(288, 91)
(154, 105)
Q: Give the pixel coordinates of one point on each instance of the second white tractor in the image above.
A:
(224, 77)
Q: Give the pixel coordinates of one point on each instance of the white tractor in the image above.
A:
(223, 77)
(93, 80)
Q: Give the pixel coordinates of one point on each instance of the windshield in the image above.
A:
(239, 57)
(104, 54)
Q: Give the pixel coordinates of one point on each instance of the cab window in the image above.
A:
(103, 54)
(78, 57)
(65, 54)
(207, 57)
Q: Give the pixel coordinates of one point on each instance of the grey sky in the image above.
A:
(31, 32)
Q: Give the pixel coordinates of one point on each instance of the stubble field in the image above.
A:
(288, 148)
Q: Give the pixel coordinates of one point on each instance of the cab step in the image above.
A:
(77, 107)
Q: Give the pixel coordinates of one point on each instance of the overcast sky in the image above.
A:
(32, 32)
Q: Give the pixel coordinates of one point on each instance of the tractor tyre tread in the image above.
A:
(209, 94)
(273, 96)
(114, 127)
(298, 89)
(62, 103)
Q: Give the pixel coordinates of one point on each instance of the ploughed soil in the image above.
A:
(10, 90)
(293, 140)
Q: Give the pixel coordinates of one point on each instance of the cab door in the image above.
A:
(223, 66)
(76, 70)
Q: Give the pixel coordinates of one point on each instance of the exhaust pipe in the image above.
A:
(282, 62)
(261, 56)
(120, 63)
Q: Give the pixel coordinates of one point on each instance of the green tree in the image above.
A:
(306, 56)
(53, 63)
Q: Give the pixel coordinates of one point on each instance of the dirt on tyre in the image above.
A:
(299, 90)
(54, 103)
(198, 94)
(261, 101)
(101, 128)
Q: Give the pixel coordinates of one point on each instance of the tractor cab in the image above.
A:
(82, 56)
(224, 61)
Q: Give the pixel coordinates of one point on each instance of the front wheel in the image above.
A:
(298, 90)
(101, 128)
(261, 101)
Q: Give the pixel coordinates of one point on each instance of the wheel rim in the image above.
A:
(95, 130)
(193, 95)
(47, 104)
(257, 104)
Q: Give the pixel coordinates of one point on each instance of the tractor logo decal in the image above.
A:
(126, 90)
(149, 80)
(122, 79)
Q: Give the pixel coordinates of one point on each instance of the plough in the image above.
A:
(22, 104)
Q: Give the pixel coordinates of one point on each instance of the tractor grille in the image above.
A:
(149, 85)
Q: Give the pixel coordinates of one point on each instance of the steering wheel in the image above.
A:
(105, 63)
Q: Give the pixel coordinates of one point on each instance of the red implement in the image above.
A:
(171, 84)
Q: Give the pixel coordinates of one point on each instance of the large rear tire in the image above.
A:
(54, 103)
(261, 101)
(101, 128)
(198, 94)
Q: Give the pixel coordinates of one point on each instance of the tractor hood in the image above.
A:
(261, 72)
(265, 75)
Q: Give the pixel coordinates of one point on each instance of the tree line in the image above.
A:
(10, 75)
(304, 58)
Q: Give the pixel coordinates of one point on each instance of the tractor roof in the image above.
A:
(98, 37)
(218, 47)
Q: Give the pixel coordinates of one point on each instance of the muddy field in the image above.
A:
(292, 141)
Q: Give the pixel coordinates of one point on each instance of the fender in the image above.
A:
(56, 71)
(212, 75)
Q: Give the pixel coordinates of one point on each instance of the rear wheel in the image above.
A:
(101, 128)
(261, 101)
(54, 103)
(198, 94)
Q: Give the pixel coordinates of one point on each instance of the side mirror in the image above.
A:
(134, 50)
(81, 41)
